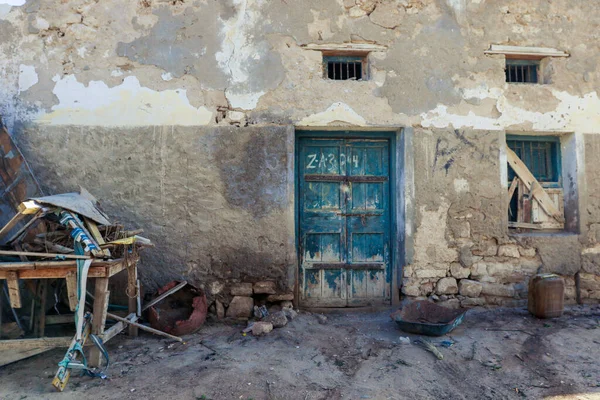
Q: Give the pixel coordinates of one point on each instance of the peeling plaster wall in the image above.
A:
(87, 73)
(213, 199)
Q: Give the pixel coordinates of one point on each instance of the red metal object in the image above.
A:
(182, 313)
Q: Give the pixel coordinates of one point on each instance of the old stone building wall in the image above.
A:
(179, 115)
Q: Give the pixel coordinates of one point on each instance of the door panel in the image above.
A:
(344, 220)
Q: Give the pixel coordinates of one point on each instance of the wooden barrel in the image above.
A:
(546, 296)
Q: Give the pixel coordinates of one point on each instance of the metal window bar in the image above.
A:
(522, 71)
(343, 68)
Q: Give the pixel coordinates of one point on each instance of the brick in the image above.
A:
(509, 250)
(469, 288)
(446, 286)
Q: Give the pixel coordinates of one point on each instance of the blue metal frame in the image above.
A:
(556, 156)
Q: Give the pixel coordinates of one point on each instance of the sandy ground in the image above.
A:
(497, 354)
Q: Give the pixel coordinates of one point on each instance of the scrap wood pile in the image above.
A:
(64, 239)
(50, 226)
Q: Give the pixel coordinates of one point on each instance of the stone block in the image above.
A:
(501, 270)
(220, 309)
(446, 286)
(486, 248)
(290, 313)
(264, 287)
(261, 328)
(280, 297)
(411, 290)
(478, 270)
(240, 307)
(495, 289)
(465, 256)
(509, 250)
(459, 272)
(278, 319)
(590, 263)
(286, 304)
(461, 229)
(469, 288)
(589, 281)
(530, 252)
(426, 289)
(471, 302)
(430, 272)
(241, 289)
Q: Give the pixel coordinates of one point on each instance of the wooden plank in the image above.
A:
(54, 264)
(60, 319)
(28, 207)
(45, 255)
(28, 225)
(14, 291)
(8, 357)
(40, 322)
(57, 273)
(525, 51)
(11, 224)
(523, 225)
(536, 190)
(511, 190)
(93, 228)
(101, 295)
(118, 328)
(527, 209)
(28, 344)
(71, 279)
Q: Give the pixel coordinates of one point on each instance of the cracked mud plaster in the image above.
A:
(433, 73)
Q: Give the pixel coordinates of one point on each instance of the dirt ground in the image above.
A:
(496, 354)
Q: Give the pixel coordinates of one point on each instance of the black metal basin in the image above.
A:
(426, 318)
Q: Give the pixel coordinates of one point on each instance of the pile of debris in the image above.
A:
(58, 242)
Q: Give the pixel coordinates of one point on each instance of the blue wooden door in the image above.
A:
(344, 221)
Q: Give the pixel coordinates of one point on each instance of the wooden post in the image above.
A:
(40, 323)
(99, 317)
(133, 301)
(14, 293)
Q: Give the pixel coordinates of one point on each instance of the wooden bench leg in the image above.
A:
(101, 296)
(133, 301)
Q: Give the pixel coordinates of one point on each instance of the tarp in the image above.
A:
(81, 203)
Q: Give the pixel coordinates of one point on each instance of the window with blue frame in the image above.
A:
(541, 155)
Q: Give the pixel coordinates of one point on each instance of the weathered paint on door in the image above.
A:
(344, 221)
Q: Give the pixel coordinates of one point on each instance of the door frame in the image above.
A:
(401, 193)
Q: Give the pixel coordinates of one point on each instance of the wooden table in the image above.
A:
(100, 270)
